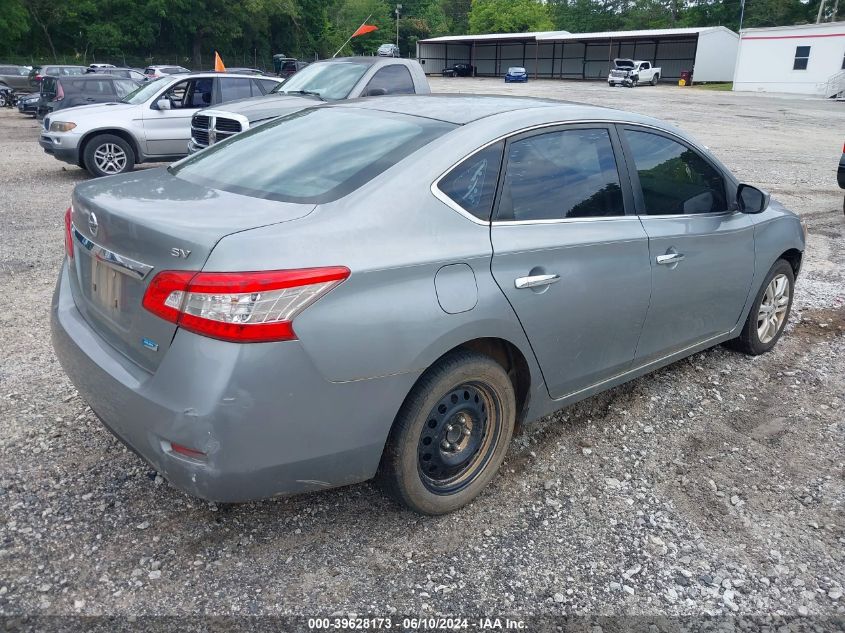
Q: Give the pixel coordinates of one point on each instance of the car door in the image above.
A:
(701, 248)
(570, 254)
(168, 131)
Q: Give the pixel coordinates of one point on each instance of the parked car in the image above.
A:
(14, 77)
(388, 50)
(154, 72)
(404, 340)
(60, 93)
(151, 124)
(459, 70)
(289, 67)
(127, 73)
(100, 66)
(516, 74)
(37, 72)
(28, 103)
(8, 98)
(628, 72)
(327, 80)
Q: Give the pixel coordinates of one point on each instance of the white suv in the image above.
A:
(151, 124)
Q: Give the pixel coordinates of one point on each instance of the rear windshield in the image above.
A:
(312, 156)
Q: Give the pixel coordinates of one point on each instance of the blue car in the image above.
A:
(516, 74)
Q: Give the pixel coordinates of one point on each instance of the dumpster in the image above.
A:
(686, 78)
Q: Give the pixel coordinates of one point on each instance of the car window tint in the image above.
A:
(394, 80)
(353, 147)
(564, 174)
(674, 178)
(232, 88)
(472, 184)
(262, 86)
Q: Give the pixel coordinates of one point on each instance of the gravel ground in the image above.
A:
(714, 486)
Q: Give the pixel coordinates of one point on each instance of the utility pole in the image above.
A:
(398, 10)
(821, 8)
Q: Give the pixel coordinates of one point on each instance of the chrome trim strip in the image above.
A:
(121, 263)
(469, 216)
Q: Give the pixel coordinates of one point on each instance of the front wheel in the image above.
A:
(769, 313)
(107, 154)
(451, 434)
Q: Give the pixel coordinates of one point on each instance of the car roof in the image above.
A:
(462, 109)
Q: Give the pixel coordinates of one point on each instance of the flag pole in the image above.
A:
(353, 35)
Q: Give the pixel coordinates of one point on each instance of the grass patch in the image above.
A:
(722, 87)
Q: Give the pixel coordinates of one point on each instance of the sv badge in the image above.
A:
(180, 252)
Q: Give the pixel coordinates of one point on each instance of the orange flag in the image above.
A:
(364, 29)
(218, 63)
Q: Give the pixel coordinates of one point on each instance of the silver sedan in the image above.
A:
(388, 288)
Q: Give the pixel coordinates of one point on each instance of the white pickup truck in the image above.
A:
(629, 72)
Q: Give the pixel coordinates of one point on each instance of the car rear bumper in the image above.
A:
(61, 147)
(267, 421)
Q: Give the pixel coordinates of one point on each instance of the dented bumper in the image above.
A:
(266, 421)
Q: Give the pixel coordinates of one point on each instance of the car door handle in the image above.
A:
(670, 258)
(536, 280)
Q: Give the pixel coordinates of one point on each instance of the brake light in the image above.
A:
(249, 307)
(60, 93)
(69, 233)
(37, 77)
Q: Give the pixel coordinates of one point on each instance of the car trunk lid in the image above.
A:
(128, 228)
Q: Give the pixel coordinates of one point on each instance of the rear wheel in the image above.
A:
(769, 313)
(107, 154)
(655, 79)
(451, 434)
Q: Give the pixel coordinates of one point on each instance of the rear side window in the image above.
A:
(328, 153)
(674, 178)
(472, 184)
(149, 71)
(558, 175)
(263, 86)
(394, 80)
(232, 88)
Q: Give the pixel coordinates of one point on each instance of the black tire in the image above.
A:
(2, 100)
(655, 79)
(416, 469)
(749, 340)
(94, 148)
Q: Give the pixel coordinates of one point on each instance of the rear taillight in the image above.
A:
(248, 307)
(69, 233)
(60, 93)
(37, 77)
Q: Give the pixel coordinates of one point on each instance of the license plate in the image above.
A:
(106, 286)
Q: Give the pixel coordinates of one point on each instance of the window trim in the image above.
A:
(624, 174)
(634, 178)
(805, 58)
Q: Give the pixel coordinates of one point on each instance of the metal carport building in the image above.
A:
(563, 55)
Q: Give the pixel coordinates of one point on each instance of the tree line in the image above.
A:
(249, 32)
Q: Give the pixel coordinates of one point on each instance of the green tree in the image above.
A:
(14, 21)
(509, 16)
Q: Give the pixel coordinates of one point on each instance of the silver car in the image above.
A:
(151, 124)
(409, 282)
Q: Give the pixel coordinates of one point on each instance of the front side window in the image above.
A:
(472, 184)
(265, 85)
(192, 93)
(674, 178)
(232, 88)
(557, 175)
(393, 80)
(123, 87)
(802, 58)
(328, 153)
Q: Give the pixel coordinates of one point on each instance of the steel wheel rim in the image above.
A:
(772, 313)
(110, 158)
(458, 438)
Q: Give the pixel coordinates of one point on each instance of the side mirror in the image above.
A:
(376, 92)
(751, 199)
(163, 104)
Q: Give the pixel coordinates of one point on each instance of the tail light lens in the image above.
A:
(248, 307)
(60, 93)
(37, 77)
(69, 233)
